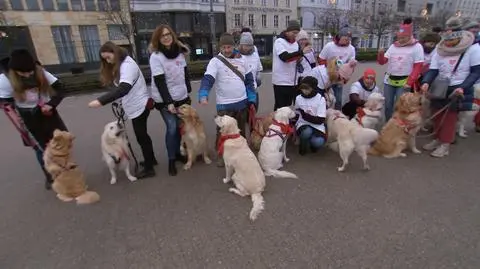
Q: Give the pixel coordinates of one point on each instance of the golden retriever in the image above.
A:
(241, 165)
(193, 135)
(370, 114)
(259, 129)
(68, 180)
(401, 130)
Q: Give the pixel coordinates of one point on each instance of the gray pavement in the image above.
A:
(416, 212)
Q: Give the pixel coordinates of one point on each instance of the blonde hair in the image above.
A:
(109, 73)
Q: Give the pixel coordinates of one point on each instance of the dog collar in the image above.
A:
(222, 139)
(404, 125)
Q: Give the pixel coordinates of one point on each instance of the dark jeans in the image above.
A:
(284, 95)
(172, 134)
(338, 92)
(140, 128)
(240, 116)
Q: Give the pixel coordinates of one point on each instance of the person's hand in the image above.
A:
(424, 87)
(458, 91)
(204, 101)
(307, 49)
(171, 108)
(94, 104)
(381, 51)
(46, 108)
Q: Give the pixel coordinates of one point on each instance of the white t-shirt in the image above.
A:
(321, 74)
(254, 64)
(357, 88)
(284, 73)
(135, 101)
(315, 106)
(32, 98)
(174, 71)
(344, 54)
(401, 59)
(445, 65)
(428, 57)
(228, 86)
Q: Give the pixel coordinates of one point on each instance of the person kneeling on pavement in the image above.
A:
(312, 110)
(234, 84)
(359, 93)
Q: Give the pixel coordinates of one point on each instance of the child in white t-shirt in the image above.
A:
(312, 110)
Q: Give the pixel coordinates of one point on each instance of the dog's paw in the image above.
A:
(341, 169)
(187, 166)
(207, 160)
(183, 152)
(366, 167)
(64, 198)
(113, 180)
(403, 155)
(131, 178)
(416, 151)
(226, 180)
(286, 159)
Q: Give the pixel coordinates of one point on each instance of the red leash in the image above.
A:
(13, 116)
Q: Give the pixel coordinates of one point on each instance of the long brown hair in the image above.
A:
(155, 44)
(110, 73)
(18, 89)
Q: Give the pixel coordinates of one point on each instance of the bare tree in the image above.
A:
(121, 17)
(332, 19)
(377, 25)
(439, 18)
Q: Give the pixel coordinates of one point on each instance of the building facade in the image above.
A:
(266, 18)
(190, 19)
(64, 34)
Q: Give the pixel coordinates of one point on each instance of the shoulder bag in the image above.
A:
(231, 67)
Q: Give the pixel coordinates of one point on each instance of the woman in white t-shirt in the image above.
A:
(405, 60)
(120, 72)
(360, 91)
(247, 50)
(35, 93)
(312, 110)
(307, 62)
(457, 62)
(170, 86)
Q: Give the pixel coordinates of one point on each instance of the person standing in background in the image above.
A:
(247, 50)
(307, 62)
(342, 49)
(248, 30)
(286, 53)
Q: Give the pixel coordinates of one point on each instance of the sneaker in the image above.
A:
(441, 151)
(432, 145)
(477, 128)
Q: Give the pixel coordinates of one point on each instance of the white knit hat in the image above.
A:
(302, 35)
(246, 38)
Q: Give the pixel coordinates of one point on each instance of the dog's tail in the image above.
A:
(280, 174)
(258, 205)
(88, 197)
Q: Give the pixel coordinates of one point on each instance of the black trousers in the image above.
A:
(284, 95)
(140, 128)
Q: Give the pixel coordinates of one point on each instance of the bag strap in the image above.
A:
(458, 63)
(231, 67)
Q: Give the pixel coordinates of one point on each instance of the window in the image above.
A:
(16, 5)
(250, 19)
(115, 32)
(102, 5)
(237, 20)
(62, 5)
(264, 2)
(115, 5)
(236, 2)
(275, 3)
(90, 5)
(62, 36)
(275, 21)
(287, 3)
(76, 5)
(32, 4)
(90, 42)
(287, 19)
(48, 5)
(401, 5)
(264, 21)
(250, 2)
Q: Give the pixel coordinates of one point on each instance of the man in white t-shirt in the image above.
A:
(230, 75)
(342, 49)
(360, 91)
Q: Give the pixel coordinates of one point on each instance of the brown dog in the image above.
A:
(260, 127)
(400, 131)
(68, 180)
(193, 135)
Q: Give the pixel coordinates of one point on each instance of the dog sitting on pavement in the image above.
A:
(370, 114)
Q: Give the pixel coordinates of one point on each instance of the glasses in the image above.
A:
(166, 35)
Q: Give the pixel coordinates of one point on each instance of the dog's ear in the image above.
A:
(57, 133)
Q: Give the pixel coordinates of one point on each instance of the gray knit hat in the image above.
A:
(293, 25)
(246, 38)
(454, 24)
(469, 24)
(226, 39)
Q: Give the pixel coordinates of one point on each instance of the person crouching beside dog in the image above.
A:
(35, 93)
(170, 88)
(312, 110)
(234, 84)
(359, 92)
(121, 72)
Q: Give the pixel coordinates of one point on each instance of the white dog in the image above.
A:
(241, 165)
(115, 150)
(345, 137)
(273, 147)
(370, 115)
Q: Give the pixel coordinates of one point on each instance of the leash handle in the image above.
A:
(119, 114)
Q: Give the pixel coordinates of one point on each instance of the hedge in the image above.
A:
(89, 81)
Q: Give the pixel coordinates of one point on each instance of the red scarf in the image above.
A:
(360, 115)
(284, 128)
(221, 141)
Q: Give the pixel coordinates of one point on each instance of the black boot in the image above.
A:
(172, 169)
(145, 173)
(303, 147)
(48, 183)
(154, 163)
(180, 158)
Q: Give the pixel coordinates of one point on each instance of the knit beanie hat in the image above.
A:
(293, 25)
(226, 39)
(345, 31)
(406, 28)
(453, 28)
(21, 60)
(369, 72)
(302, 35)
(469, 24)
(346, 70)
(430, 37)
(246, 38)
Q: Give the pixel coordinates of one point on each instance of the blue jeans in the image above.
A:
(307, 136)
(391, 96)
(338, 92)
(172, 134)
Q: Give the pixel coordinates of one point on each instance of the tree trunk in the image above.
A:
(379, 38)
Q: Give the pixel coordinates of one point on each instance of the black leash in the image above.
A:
(119, 113)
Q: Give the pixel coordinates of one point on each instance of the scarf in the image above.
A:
(466, 41)
(310, 95)
(412, 42)
(282, 35)
(365, 86)
(173, 51)
(221, 142)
